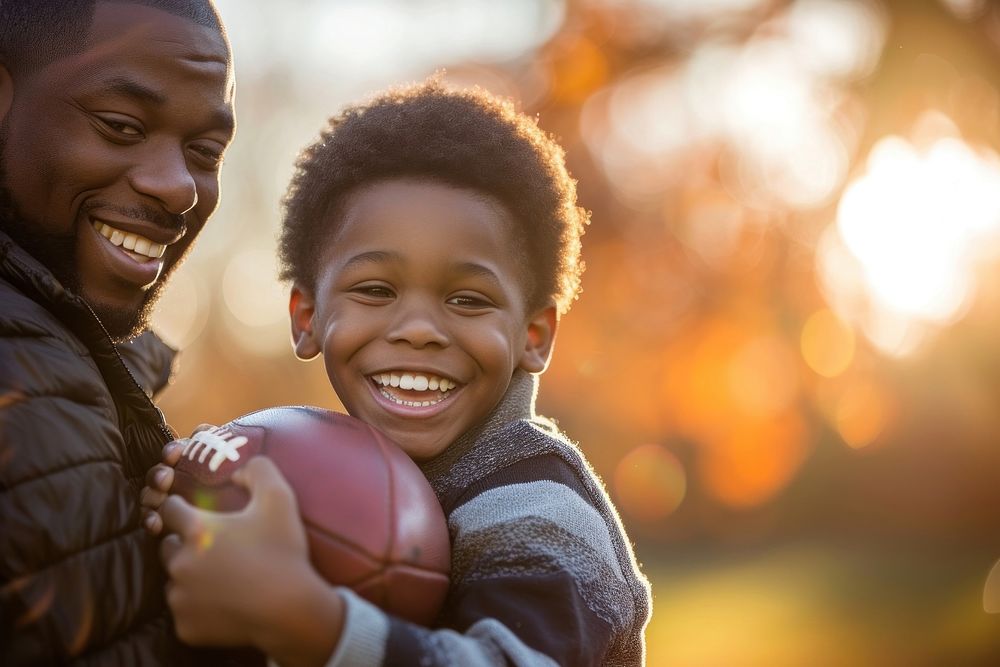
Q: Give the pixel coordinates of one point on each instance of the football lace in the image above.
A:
(218, 441)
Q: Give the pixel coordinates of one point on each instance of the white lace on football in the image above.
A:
(219, 442)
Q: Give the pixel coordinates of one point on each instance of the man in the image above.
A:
(114, 116)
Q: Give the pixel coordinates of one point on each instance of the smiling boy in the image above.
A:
(114, 116)
(421, 337)
(432, 238)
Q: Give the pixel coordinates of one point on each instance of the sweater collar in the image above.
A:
(518, 403)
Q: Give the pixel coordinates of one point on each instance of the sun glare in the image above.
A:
(916, 225)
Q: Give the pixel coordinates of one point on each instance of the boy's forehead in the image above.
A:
(417, 205)
(406, 212)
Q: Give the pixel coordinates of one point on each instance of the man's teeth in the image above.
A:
(139, 245)
(415, 382)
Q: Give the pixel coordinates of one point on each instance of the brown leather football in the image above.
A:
(372, 520)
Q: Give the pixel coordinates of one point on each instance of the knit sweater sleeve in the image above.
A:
(536, 580)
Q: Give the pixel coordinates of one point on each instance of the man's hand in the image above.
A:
(159, 479)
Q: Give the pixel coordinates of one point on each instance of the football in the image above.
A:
(372, 520)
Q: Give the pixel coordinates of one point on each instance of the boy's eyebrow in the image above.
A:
(371, 257)
(473, 269)
(382, 256)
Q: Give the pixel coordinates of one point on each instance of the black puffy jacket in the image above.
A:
(80, 581)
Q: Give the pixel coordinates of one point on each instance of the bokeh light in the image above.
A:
(991, 590)
(763, 377)
(918, 222)
(256, 300)
(827, 343)
(184, 309)
(649, 483)
(860, 411)
(754, 460)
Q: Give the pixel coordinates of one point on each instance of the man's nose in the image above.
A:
(165, 175)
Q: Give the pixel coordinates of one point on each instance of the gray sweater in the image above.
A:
(542, 570)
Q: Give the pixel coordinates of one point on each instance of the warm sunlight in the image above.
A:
(916, 223)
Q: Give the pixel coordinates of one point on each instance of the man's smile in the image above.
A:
(137, 247)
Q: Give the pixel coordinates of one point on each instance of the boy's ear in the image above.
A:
(6, 91)
(301, 308)
(539, 341)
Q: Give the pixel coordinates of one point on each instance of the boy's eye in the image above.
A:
(469, 301)
(374, 291)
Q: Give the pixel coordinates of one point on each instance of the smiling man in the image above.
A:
(114, 117)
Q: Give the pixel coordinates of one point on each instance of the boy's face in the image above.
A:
(420, 312)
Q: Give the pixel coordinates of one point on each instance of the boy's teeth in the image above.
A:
(137, 244)
(414, 404)
(414, 381)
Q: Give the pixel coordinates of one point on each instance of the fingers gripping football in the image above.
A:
(159, 479)
(211, 556)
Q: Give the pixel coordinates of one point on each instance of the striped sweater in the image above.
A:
(542, 570)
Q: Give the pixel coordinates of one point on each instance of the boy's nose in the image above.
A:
(417, 325)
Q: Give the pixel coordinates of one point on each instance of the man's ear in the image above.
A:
(301, 308)
(539, 341)
(6, 91)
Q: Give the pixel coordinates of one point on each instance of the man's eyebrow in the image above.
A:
(120, 85)
(132, 88)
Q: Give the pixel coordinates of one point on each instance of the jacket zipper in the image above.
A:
(163, 422)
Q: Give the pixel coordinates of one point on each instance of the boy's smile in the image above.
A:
(420, 311)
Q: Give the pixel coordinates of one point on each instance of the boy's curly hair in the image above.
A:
(465, 138)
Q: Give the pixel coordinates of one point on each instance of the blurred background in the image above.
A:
(785, 364)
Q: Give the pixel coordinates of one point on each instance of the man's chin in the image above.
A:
(124, 323)
(120, 324)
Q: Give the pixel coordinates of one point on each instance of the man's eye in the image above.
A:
(125, 129)
(117, 127)
(210, 156)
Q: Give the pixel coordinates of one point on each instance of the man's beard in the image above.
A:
(57, 252)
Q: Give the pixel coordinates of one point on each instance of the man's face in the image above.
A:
(420, 313)
(111, 156)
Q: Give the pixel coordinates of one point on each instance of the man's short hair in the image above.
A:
(464, 138)
(34, 33)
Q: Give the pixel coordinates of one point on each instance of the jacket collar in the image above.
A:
(148, 359)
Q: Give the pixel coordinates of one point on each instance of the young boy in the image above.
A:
(432, 238)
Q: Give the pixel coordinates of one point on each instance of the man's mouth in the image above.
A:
(412, 389)
(139, 248)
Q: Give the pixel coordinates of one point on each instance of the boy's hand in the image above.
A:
(244, 578)
(159, 479)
